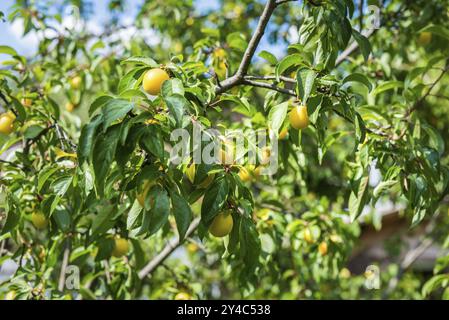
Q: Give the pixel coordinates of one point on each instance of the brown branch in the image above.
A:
(268, 86)
(171, 246)
(428, 92)
(65, 262)
(237, 78)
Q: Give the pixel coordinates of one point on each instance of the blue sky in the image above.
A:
(11, 34)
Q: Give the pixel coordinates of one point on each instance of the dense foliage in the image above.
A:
(86, 178)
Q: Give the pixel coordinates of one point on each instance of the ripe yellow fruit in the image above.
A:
(183, 296)
(206, 182)
(322, 248)
(6, 123)
(190, 21)
(70, 106)
(244, 174)
(283, 134)
(26, 102)
(308, 236)
(11, 295)
(190, 173)
(222, 224)
(153, 80)
(39, 220)
(298, 117)
(345, 273)
(121, 247)
(265, 155)
(424, 38)
(75, 82)
(141, 196)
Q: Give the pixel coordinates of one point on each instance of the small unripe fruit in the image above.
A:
(424, 38)
(308, 235)
(153, 80)
(183, 296)
(75, 82)
(121, 247)
(298, 117)
(222, 224)
(6, 123)
(322, 248)
(39, 220)
(69, 106)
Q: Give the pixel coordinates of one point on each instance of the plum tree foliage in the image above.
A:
(86, 178)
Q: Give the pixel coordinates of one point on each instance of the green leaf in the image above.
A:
(86, 140)
(132, 79)
(305, 79)
(103, 220)
(62, 219)
(383, 186)
(114, 110)
(152, 142)
(32, 131)
(441, 280)
(287, 62)
(358, 198)
(62, 184)
(182, 212)
(359, 77)
(160, 210)
(143, 61)
(103, 155)
(363, 42)
(435, 139)
(8, 50)
(436, 29)
(214, 199)
(176, 105)
(133, 215)
(271, 58)
(98, 103)
(277, 116)
(44, 175)
(171, 87)
(388, 85)
(236, 41)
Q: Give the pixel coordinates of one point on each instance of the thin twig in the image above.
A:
(237, 78)
(269, 86)
(171, 246)
(65, 262)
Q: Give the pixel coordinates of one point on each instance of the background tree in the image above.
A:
(89, 182)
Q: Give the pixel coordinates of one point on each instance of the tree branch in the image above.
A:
(65, 262)
(171, 246)
(268, 86)
(237, 78)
